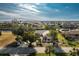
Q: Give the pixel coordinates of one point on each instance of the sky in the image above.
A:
(39, 11)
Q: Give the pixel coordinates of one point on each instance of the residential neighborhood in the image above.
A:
(39, 29)
(23, 38)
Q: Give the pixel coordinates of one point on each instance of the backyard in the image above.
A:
(6, 38)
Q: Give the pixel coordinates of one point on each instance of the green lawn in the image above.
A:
(52, 54)
(73, 43)
(44, 54)
(62, 39)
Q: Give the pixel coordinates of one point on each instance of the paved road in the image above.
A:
(63, 49)
(25, 51)
(22, 50)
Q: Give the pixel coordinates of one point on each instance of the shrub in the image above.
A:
(61, 54)
(0, 33)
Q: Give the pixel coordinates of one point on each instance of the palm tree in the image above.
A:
(48, 50)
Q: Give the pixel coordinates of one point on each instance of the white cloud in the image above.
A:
(37, 3)
(57, 10)
(31, 7)
(9, 14)
(30, 12)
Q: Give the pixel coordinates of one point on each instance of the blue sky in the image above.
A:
(40, 11)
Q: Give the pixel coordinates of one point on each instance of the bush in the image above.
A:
(61, 54)
(32, 54)
(41, 54)
(0, 33)
(2, 54)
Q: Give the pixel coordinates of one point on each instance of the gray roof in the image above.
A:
(40, 31)
(70, 32)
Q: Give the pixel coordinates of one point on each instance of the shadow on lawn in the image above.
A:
(14, 44)
(60, 52)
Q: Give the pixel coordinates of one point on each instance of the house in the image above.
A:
(42, 32)
(47, 39)
(71, 34)
(43, 35)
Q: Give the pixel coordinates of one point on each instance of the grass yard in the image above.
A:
(44, 54)
(74, 43)
(6, 38)
(62, 39)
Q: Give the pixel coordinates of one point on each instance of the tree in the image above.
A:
(48, 50)
(74, 52)
(18, 30)
(19, 39)
(78, 52)
(46, 27)
(50, 27)
(29, 27)
(53, 34)
(30, 36)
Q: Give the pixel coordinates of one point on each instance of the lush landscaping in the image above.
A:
(26, 34)
(62, 39)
